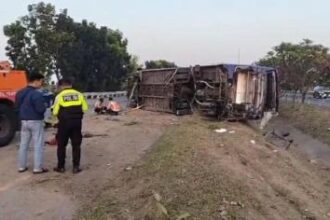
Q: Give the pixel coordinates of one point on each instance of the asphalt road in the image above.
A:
(309, 100)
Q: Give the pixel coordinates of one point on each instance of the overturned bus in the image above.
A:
(225, 91)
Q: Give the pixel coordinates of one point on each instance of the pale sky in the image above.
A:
(190, 32)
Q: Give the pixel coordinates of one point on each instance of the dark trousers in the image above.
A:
(69, 129)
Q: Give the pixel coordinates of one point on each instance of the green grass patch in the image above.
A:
(310, 119)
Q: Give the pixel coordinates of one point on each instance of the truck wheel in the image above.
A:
(8, 124)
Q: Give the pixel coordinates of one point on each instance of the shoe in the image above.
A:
(22, 170)
(76, 170)
(43, 170)
(59, 170)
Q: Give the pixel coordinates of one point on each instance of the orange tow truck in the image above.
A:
(11, 81)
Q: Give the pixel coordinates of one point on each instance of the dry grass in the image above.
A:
(193, 172)
(177, 170)
(310, 119)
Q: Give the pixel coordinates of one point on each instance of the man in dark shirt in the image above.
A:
(31, 106)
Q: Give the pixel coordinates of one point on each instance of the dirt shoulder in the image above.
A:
(122, 142)
(193, 172)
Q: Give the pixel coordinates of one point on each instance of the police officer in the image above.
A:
(69, 107)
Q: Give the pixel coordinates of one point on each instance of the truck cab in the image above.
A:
(11, 81)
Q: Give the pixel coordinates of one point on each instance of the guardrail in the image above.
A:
(96, 95)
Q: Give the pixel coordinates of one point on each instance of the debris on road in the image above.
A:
(252, 141)
(162, 209)
(128, 168)
(285, 134)
(279, 140)
(224, 201)
(223, 213)
(221, 131)
(313, 161)
(131, 123)
(233, 203)
(47, 180)
(157, 197)
(112, 119)
(183, 216)
(90, 135)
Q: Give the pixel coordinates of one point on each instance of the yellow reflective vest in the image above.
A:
(70, 104)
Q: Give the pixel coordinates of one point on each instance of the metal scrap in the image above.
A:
(279, 140)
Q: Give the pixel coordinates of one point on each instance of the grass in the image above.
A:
(310, 119)
(193, 172)
(177, 171)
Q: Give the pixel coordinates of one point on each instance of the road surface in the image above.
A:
(120, 141)
(309, 100)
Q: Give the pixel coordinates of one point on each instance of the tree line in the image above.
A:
(52, 43)
(301, 66)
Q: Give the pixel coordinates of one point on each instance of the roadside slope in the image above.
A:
(194, 173)
(310, 119)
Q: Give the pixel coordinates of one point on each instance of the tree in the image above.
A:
(300, 65)
(31, 39)
(17, 44)
(134, 65)
(48, 42)
(132, 76)
(158, 64)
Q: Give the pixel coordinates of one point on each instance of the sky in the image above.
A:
(190, 32)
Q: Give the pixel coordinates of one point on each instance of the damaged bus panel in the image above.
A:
(224, 91)
(166, 90)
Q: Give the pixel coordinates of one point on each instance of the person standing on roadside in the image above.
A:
(31, 106)
(69, 107)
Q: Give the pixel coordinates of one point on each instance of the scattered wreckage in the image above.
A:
(225, 91)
